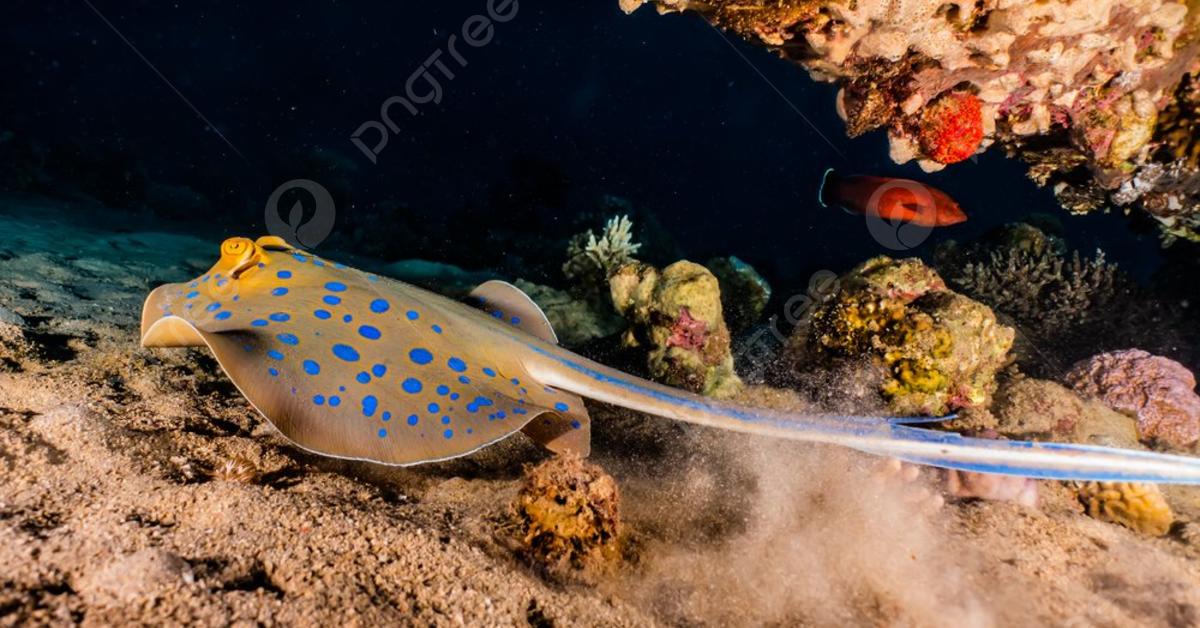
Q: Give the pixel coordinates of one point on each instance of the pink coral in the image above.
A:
(1159, 391)
(689, 333)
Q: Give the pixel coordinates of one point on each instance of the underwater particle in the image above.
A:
(1139, 507)
(951, 127)
(1159, 391)
(235, 469)
(675, 315)
(744, 292)
(568, 520)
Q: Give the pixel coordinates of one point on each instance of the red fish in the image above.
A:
(891, 199)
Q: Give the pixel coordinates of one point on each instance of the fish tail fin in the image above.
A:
(879, 436)
(829, 173)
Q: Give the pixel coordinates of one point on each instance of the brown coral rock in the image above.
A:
(1159, 391)
(1139, 507)
(569, 516)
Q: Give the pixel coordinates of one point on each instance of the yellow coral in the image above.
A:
(568, 515)
(1139, 507)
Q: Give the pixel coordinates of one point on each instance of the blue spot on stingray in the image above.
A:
(420, 356)
(288, 339)
(489, 372)
(412, 419)
(516, 320)
(311, 367)
(456, 365)
(561, 407)
(193, 284)
(212, 307)
(387, 416)
(347, 318)
(339, 265)
(412, 315)
(247, 348)
(299, 258)
(483, 401)
(382, 433)
(448, 434)
(193, 294)
(443, 389)
(437, 329)
(454, 396)
(335, 286)
(279, 291)
(279, 317)
(379, 306)
(378, 370)
(273, 371)
(284, 274)
(341, 389)
(363, 377)
(411, 385)
(464, 379)
(258, 322)
(370, 404)
(274, 355)
(223, 315)
(446, 420)
(335, 401)
(498, 314)
(237, 297)
(368, 332)
(319, 400)
(331, 300)
(519, 411)
(322, 314)
(515, 381)
(345, 352)
(472, 408)
(318, 261)
(576, 424)
(433, 408)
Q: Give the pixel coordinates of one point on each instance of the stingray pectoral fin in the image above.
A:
(161, 328)
(510, 304)
(563, 431)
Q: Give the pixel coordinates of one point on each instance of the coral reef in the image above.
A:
(940, 350)
(1083, 90)
(575, 320)
(676, 315)
(1159, 391)
(744, 292)
(1139, 507)
(568, 515)
(591, 258)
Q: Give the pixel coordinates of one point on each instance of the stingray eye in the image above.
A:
(239, 254)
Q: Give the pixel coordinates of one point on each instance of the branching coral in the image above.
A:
(1036, 76)
(591, 258)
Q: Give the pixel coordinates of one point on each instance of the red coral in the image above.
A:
(951, 127)
(689, 333)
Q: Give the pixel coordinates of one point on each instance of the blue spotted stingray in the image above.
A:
(349, 364)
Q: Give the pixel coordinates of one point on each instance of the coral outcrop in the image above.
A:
(568, 513)
(1086, 91)
(939, 350)
(1159, 391)
(676, 315)
(1139, 507)
(591, 258)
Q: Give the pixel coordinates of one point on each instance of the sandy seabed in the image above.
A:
(138, 487)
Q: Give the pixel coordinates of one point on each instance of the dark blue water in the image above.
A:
(566, 103)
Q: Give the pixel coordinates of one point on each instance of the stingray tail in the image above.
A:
(879, 436)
